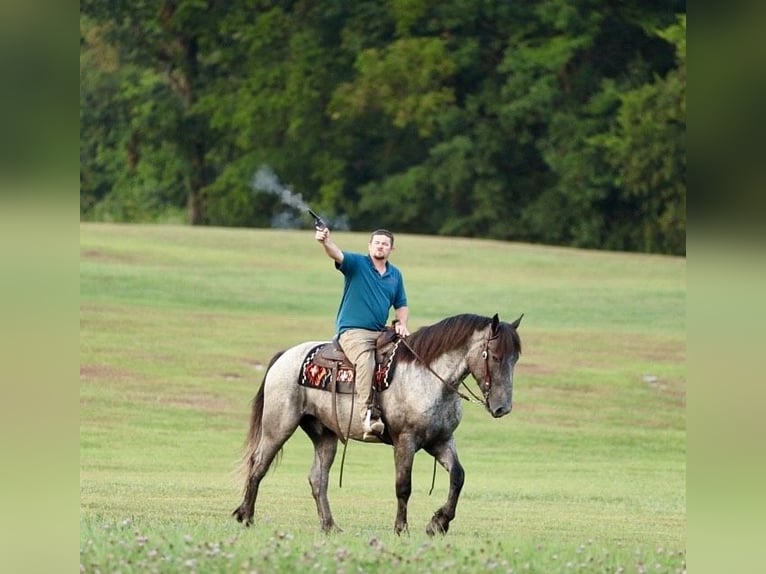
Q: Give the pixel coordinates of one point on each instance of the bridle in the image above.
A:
(486, 382)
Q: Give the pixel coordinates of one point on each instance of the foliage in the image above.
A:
(405, 82)
(646, 149)
(557, 121)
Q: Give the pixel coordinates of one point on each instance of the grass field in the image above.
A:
(176, 323)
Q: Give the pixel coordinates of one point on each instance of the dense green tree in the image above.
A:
(646, 151)
(270, 108)
(564, 80)
(128, 170)
(173, 44)
(558, 121)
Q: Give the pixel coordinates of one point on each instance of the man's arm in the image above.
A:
(332, 250)
(402, 314)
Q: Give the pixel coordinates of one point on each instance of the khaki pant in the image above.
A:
(359, 346)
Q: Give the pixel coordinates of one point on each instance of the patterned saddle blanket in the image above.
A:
(326, 366)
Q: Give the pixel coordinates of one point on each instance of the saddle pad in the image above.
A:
(319, 377)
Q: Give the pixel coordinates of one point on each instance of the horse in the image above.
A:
(421, 408)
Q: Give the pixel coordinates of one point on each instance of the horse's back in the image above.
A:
(286, 369)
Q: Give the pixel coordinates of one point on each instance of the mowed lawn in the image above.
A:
(177, 323)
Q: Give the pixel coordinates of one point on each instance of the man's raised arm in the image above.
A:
(332, 250)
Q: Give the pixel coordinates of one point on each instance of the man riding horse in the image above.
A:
(372, 286)
(421, 403)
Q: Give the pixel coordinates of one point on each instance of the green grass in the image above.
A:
(176, 323)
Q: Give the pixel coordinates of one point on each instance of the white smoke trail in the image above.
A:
(266, 181)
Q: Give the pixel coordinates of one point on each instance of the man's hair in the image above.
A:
(385, 232)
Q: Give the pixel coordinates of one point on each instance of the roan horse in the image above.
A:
(421, 409)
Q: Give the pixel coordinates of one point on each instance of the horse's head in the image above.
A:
(493, 365)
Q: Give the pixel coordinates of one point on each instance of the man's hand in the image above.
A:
(401, 329)
(322, 235)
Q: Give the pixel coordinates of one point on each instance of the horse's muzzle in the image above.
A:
(500, 411)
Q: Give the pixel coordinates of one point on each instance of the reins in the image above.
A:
(343, 439)
(445, 383)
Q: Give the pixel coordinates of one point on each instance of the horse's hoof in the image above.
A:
(330, 527)
(242, 517)
(435, 528)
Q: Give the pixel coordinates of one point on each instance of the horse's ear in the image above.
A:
(495, 323)
(516, 323)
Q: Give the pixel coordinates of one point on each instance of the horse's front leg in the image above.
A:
(446, 454)
(325, 447)
(404, 454)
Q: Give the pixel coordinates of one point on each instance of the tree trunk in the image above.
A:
(195, 206)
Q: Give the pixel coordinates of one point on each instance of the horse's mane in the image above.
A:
(432, 341)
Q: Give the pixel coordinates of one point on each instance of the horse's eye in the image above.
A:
(496, 358)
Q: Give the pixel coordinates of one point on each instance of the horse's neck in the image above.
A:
(456, 364)
(451, 366)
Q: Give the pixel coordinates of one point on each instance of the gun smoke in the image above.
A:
(266, 181)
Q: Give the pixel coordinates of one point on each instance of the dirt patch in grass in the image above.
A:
(641, 348)
(197, 402)
(534, 369)
(673, 391)
(256, 364)
(96, 255)
(104, 372)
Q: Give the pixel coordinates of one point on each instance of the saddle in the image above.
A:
(338, 370)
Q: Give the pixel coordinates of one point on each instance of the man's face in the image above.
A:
(380, 247)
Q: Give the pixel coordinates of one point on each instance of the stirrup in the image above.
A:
(372, 427)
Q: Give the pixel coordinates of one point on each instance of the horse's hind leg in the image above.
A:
(446, 454)
(271, 427)
(325, 447)
(260, 462)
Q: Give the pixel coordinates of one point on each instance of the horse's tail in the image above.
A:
(256, 419)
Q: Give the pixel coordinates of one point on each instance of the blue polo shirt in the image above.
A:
(367, 295)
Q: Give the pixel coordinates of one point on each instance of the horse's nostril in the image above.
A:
(501, 411)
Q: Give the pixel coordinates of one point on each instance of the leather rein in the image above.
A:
(486, 380)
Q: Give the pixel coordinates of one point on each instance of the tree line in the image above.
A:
(551, 121)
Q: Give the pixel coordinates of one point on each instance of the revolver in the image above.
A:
(319, 223)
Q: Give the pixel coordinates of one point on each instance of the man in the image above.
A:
(372, 286)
